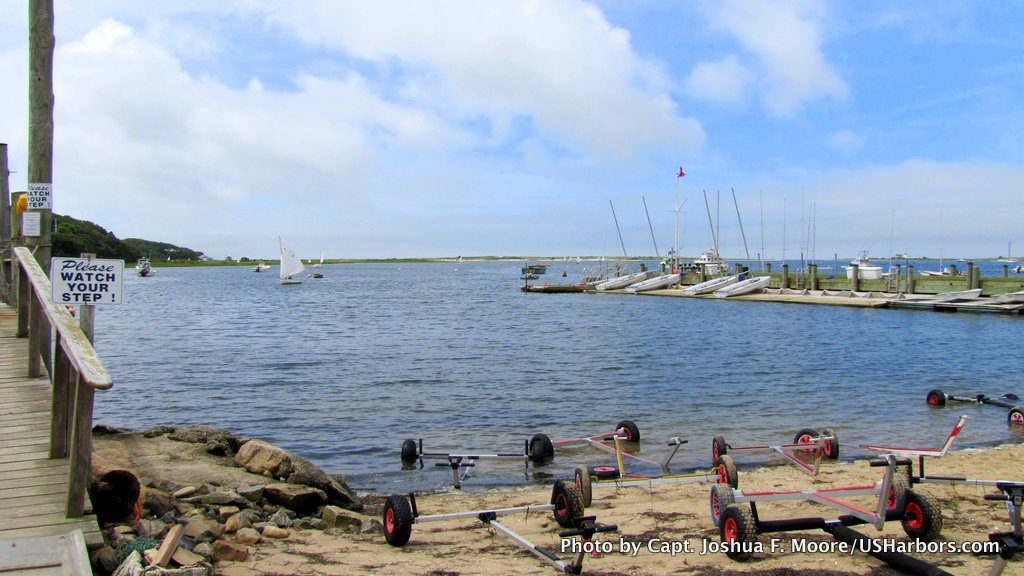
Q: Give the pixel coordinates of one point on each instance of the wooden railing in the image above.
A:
(74, 369)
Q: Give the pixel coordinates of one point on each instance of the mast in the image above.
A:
(783, 231)
(740, 220)
(710, 223)
(761, 257)
(651, 228)
(614, 217)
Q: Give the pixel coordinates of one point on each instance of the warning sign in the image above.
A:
(40, 196)
(86, 281)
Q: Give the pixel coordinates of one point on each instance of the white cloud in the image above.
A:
(786, 39)
(845, 141)
(722, 81)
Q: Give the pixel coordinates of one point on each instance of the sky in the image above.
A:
(439, 128)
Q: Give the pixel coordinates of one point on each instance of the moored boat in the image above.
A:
(747, 286)
(960, 295)
(143, 267)
(663, 281)
(1009, 298)
(865, 269)
(710, 286)
(621, 281)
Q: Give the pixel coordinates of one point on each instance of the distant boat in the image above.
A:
(261, 267)
(459, 262)
(956, 296)
(1009, 254)
(658, 282)
(621, 281)
(291, 265)
(1010, 298)
(711, 285)
(712, 263)
(865, 269)
(143, 267)
(318, 267)
(744, 287)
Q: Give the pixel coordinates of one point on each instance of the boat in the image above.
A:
(261, 267)
(621, 281)
(291, 265)
(865, 269)
(710, 286)
(712, 263)
(534, 269)
(459, 262)
(1009, 298)
(947, 271)
(747, 286)
(1019, 269)
(956, 296)
(529, 277)
(318, 267)
(1009, 254)
(144, 268)
(656, 283)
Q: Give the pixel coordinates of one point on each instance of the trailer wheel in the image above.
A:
(398, 520)
(568, 503)
(1016, 416)
(721, 496)
(727, 471)
(632, 432)
(899, 491)
(409, 451)
(738, 528)
(582, 478)
(718, 448)
(541, 449)
(804, 436)
(605, 472)
(936, 398)
(922, 517)
(831, 447)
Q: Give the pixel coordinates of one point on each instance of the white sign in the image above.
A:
(86, 281)
(40, 196)
(30, 224)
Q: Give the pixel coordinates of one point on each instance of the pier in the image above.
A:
(49, 373)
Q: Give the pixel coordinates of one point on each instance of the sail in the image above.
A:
(290, 263)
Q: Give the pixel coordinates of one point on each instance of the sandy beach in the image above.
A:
(662, 529)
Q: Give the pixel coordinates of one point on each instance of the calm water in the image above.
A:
(341, 370)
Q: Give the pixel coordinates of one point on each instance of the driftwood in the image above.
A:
(116, 493)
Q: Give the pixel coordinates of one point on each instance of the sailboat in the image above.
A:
(291, 265)
(1009, 254)
(459, 263)
(317, 273)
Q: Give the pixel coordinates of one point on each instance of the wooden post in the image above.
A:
(952, 271)
(813, 268)
(910, 278)
(35, 332)
(785, 276)
(768, 268)
(6, 260)
(970, 275)
(1006, 270)
(40, 115)
(87, 312)
(60, 403)
(977, 277)
(898, 276)
(24, 290)
(80, 454)
(703, 272)
(855, 279)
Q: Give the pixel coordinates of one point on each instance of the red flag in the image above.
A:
(681, 173)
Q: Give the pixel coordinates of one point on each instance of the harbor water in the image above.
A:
(342, 369)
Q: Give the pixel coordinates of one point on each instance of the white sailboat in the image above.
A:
(291, 265)
(1009, 254)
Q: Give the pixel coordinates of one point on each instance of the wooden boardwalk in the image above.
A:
(33, 487)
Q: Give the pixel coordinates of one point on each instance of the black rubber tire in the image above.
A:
(568, 503)
(1015, 417)
(632, 432)
(738, 527)
(899, 491)
(721, 496)
(727, 471)
(831, 447)
(718, 448)
(804, 433)
(582, 478)
(605, 472)
(398, 520)
(922, 517)
(541, 449)
(410, 451)
(936, 398)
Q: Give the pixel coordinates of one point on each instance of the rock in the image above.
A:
(106, 558)
(262, 458)
(219, 448)
(243, 519)
(205, 434)
(250, 493)
(222, 498)
(204, 549)
(248, 536)
(309, 523)
(185, 558)
(184, 492)
(226, 512)
(280, 519)
(295, 496)
(372, 526)
(154, 529)
(204, 529)
(336, 517)
(156, 502)
(122, 529)
(275, 532)
(131, 566)
(224, 550)
(158, 431)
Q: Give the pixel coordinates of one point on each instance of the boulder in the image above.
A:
(226, 512)
(336, 517)
(280, 519)
(250, 493)
(154, 529)
(225, 550)
(157, 502)
(206, 435)
(184, 492)
(275, 532)
(204, 549)
(295, 496)
(223, 498)
(204, 529)
(248, 536)
(266, 459)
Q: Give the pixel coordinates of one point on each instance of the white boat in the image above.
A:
(143, 267)
(747, 286)
(961, 295)
(711, 285)
(621, 281)
(865, 269)
(317, 268)
(1009, 298)
(291, 265)
(1009, 254)
(663, 281)
(712, 263)
(261, 267)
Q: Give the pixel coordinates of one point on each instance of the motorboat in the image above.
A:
(710, 286)
(957, 296)
(747, 286)
(144, 268)
(865, 269)
(261, 267)
(711, 262)
(621, 281)
(656, 283)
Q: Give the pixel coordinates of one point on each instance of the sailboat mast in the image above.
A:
(710, 223)
(614, 217)
(761, 257)
(740, 220)
(783, 231)
(651, 228)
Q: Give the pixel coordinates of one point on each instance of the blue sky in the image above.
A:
(419, 128)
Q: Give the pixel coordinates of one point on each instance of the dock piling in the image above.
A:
(910, 278)
(855, 278)
(785, 276)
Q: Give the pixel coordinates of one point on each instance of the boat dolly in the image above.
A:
(824, 444)
(400, 513)
(1015, 417)
(537, 449)
(589, 477)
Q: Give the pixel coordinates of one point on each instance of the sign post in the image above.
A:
(81, 281)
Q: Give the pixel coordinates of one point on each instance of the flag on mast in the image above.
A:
(681, 173)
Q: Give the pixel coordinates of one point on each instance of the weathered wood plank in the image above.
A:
(90, 533)
(4, 430)
(33, 491)
(23, 457)
(54, 506)
(42, 475)
(25, 438)
(51, 519)
(26, 449)
(35, 500)
(36, 464)
(32, 481)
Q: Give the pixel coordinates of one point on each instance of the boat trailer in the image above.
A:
(1015, 417)
(805, 441)
(588, 477)
(537, 449)
(400, 513)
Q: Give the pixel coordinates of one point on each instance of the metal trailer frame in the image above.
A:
(587, 477)
(739, 526)
(400, 513)
(625, 430)
(824, 444)
(1015, 417)
(1012, 542)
